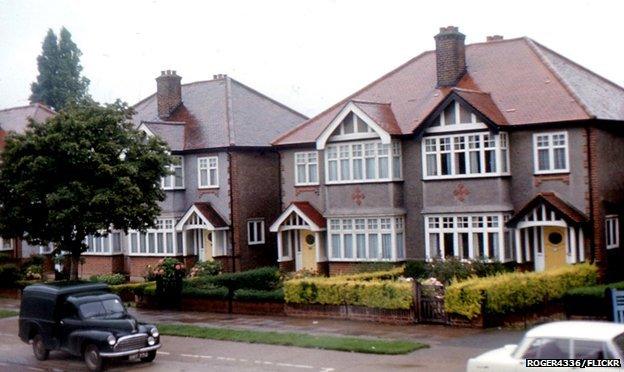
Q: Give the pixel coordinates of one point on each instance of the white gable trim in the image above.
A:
(293, 208)
(321, 141)
(142, 127)
(193, 209)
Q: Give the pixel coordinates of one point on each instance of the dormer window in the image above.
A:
(455, 117)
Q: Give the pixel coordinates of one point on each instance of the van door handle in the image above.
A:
(61, 322)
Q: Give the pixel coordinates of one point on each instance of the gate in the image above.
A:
(617, 301)
(429, 303)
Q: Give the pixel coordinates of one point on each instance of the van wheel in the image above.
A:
(151, 355)
(93, 359)
(39, 349)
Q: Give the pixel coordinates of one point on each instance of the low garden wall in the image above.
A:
(349, 312)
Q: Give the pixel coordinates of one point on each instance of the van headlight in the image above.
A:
(151, 341)
(111, 340)
(154, 332)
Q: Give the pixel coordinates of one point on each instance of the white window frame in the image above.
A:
(220, 243)
(471, 224)
(440, 124)
(172, 177)
(106, 244)
(164, 227)
(612, 231)
(2, 245)
(306, 159)
(256, 225)
(452, 142)
(551, 153)
(207, 167)
(373, 227)
(380, 150)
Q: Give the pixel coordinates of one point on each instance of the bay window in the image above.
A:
(482, 236)
(161, 240)
(363, 161)
(466, 155)
(208, 172)
(306, 168)
(366, 239)
(551, 152)
(105, 244)
(175, 180)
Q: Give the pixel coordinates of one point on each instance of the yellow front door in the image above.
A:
(308, 250)
(207, 245)
(554, 247)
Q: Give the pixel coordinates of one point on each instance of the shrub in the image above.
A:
(276, 295)
(453, 269)
(391, 274)
(33, 272)
(110, 279)
(205, 292)
(9, 275)
(416, 269)
(35, 259)
(513, 292)
(129, 290)
(264, 279)
(206, 268)
(340, 291)
(4, 257)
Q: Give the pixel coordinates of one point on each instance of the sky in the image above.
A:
(305, 54)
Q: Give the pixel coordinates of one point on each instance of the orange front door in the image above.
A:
(555, 247)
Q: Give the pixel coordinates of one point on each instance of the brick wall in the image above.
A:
(96, 265)
(351, 313)
(596, 212)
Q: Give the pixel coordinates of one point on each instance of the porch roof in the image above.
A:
(306, 211)
(207, 214)
(564, 209)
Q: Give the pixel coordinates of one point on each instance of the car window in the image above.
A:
(106, 308)
(584, 349)
(548, 348)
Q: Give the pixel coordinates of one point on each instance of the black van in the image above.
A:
(83, 319)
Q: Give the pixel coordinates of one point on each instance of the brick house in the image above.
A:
(224, 189)
(16, 119)
(503, 150)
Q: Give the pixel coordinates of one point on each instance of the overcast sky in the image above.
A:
(306, 54)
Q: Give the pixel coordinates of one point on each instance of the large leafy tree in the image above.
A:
(83, 172)
(59, 82)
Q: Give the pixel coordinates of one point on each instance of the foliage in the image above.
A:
(206, 268)
(594, 291)
(9, 275)
(59, 82)
(453, 268)
(83, 171)
(276, 295)
(169, 273)
(169, 268)
(123, 290)
(207, 291)
(264, 278)
(352, 344)
(391, 274)
(110, 279)
(299, 274)
(375, 293)
(35, 259)
(33, 272)
(8, 313)
(512, 292)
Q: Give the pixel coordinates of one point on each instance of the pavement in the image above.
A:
(449, 350)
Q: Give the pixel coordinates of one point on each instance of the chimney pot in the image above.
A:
(168, 93)
(494, 38)
(450, 56)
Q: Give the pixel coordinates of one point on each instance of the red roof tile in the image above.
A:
(526, 83)
(381, 113)
(311, 212)
(567, 211)
(210, 214)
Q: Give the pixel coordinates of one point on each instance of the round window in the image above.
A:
(555, 238)
(309, 239)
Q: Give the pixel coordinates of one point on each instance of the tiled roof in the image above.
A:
(526, 82)
(219, 113)
(311, 212)
(381, 113)
(567, 211)
(483, 103)
(210, 214)
(16, 118)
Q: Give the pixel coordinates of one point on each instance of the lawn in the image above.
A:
(8, 313)
(353, 344)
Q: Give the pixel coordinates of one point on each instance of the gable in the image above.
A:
(353, 126)
(455, 116)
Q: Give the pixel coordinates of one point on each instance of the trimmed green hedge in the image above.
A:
(276, 295)
(110, 279)
(127, 291)
(513, 292)
(340, 291)
(263, 279)
(205, 292)
(9, 275)
(391, 274)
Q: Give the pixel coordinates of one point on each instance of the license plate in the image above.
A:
(142, 355)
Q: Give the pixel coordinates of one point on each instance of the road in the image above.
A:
(186, 354)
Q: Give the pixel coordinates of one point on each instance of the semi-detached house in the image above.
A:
(502, 150)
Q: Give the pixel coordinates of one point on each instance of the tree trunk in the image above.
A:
(75, 263)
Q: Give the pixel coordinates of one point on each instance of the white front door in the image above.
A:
(297, 249)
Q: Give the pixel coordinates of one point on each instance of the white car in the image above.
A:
(596, 341)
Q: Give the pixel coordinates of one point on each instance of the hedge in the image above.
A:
(276, 295)
(516, 291)
(341, 291)
(9, 275)
(130, 289)
(264, 279)
(205, 292)
(110, 279)
(592, 292)
(375, 275)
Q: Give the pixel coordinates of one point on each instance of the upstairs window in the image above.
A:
(176, 179)
(255, 232)
(469, 155)
(551, 152)
(363, 161)
(612, 227)
(453, 115)
(208, 172)
(306, 168)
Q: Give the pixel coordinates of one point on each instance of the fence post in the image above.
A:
(417, 298)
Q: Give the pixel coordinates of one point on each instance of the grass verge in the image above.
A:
(8, 313)
(353, 344)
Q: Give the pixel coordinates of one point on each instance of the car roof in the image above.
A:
(66, 288)
(82, 298)
(577, 329)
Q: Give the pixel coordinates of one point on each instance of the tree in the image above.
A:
(83, 172)
(59, 82)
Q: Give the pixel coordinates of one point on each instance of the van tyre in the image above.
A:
(93, 359)
(39, 349)
(151, 355)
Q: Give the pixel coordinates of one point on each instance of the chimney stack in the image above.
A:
(450, 56)
(168, 93)
(494, 38)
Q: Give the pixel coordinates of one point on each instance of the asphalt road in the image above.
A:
(186, 354)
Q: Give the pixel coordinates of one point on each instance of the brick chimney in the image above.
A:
(450, 56)
(168, 93)
(494, 38)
